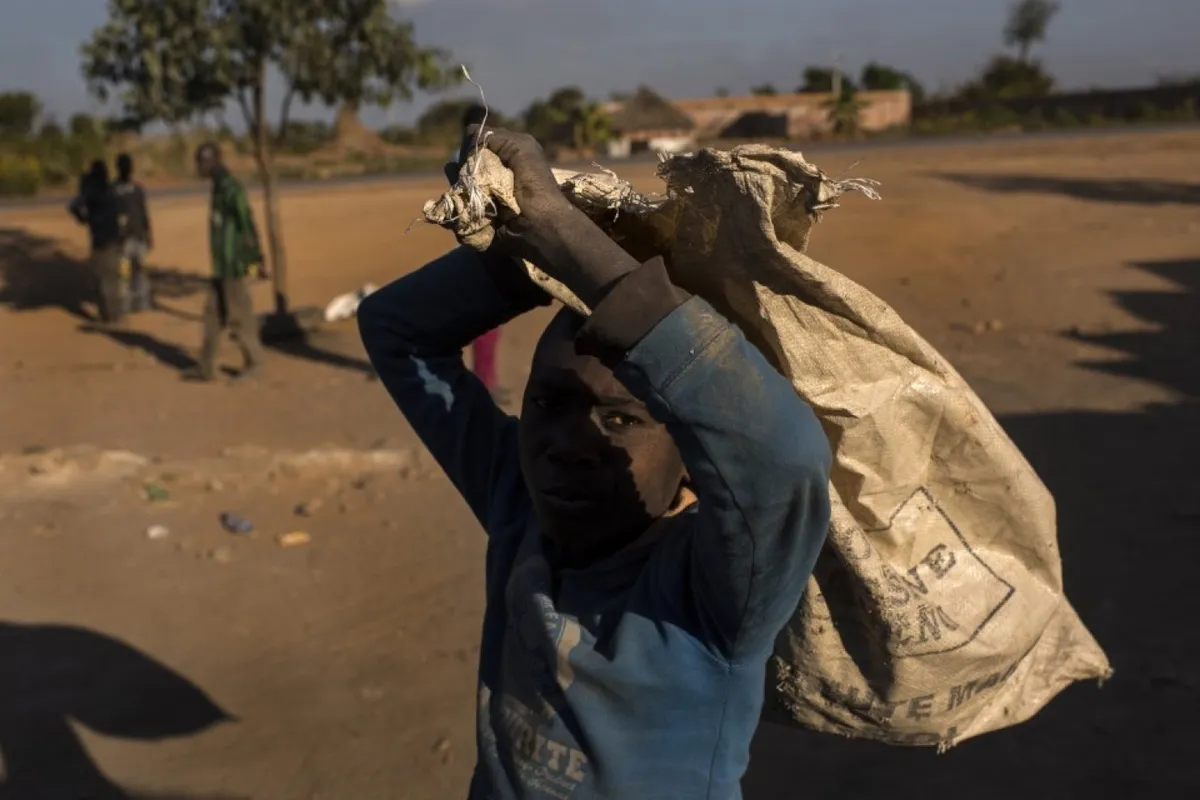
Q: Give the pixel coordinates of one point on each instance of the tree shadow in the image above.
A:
(1110, 190)
(1127, 486)
(53, 675)
(36, 274)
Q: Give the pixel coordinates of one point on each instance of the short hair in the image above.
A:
(210, 150)
(563, 326)
(124, 165)
(475, 114)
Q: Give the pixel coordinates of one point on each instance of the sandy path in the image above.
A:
(347, 665)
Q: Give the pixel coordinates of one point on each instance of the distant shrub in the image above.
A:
(398, 134)
(20, 176)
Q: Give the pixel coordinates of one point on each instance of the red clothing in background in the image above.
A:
(484, 357)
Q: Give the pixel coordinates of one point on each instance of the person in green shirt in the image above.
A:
(236, 260)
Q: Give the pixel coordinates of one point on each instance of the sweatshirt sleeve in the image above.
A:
(414, 331)
(757, 458)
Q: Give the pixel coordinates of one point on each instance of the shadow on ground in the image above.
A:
(322, 347)
(36, 273)
(1137, 192)
(52, 676)
(1128, 493)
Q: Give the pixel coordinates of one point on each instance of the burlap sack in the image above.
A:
(936, 611)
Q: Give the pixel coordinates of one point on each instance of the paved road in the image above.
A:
(197, 189)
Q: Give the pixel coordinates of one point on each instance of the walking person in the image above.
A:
(236, 260)
(483, 349)
(95, 207)
(133, 219)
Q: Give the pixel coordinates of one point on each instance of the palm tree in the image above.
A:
(1027, 23)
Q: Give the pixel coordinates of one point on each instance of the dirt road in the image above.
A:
(1061, 277)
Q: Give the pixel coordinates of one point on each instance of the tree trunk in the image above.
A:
(263, 157)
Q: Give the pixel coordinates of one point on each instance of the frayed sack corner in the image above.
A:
(484, 186)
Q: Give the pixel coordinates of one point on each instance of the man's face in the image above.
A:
(204, 164)
(600, 469)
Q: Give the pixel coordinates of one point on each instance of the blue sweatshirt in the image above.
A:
(641, 676)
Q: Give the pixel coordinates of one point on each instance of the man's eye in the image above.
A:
(618, 421)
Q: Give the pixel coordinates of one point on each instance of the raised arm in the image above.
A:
(756, 456)
(415, 330)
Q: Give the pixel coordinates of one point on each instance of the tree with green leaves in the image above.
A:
(546, 120)
(173, 61)
(1006, 77)
(51, 132)
(19, 112)
(85, 126)
(1027, 23)
(881, 77)
(591, 126)
(567, 118)
(822, 80)
(441, 123)
(764, 90)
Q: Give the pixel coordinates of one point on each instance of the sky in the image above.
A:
(522, 49)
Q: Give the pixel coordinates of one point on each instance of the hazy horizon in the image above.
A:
(522, 49)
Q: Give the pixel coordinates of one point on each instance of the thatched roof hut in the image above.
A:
(648, 111)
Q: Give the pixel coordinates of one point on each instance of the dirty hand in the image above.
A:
(549, 231)
(543, 206)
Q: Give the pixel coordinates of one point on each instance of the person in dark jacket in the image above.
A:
(133, 217)
(653, 516)
(236, 260)
(95, 207)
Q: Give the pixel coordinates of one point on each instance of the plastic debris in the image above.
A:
(293, 539)
(345, 306)
(158, 532)
(307, 509)
(235, 524)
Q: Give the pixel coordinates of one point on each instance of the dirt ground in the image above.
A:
(1061, 278)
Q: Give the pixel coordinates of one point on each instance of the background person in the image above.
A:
(95, 207)
(133, 219)
(236, 260)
